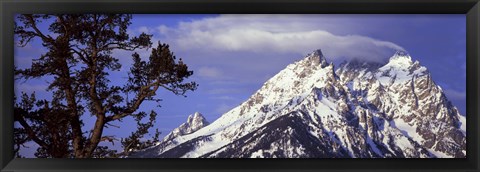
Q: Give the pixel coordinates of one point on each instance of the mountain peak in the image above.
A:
(196, 118)
(401, 56)
(401, 53)
(318, 52)
(317, 58)
(194, 122)
(306, 108)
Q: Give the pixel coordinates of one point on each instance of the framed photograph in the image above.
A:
(239, 85)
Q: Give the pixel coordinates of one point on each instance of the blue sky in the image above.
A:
(233, 55)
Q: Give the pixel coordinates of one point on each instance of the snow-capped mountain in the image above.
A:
(194, 122)
(310, 109)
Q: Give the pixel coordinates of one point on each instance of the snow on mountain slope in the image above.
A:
(194, 122)
(309, 109)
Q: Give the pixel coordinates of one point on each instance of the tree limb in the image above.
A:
(141, 97)
(37, 31)
(109, 139)
(30, 132)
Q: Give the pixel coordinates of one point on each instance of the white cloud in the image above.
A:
(246, 48)
(209, 72)
(273, 33)
(224, 91)
(224, 98)
(144, 29)
(162, 29)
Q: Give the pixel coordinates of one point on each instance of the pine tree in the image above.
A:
(80, 58)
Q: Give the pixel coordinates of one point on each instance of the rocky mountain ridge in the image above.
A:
(311, 109)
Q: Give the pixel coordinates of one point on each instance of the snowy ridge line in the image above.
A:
(311, 109)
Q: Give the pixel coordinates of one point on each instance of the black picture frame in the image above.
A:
(471, 8)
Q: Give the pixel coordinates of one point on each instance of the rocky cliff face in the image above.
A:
(312, 110)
